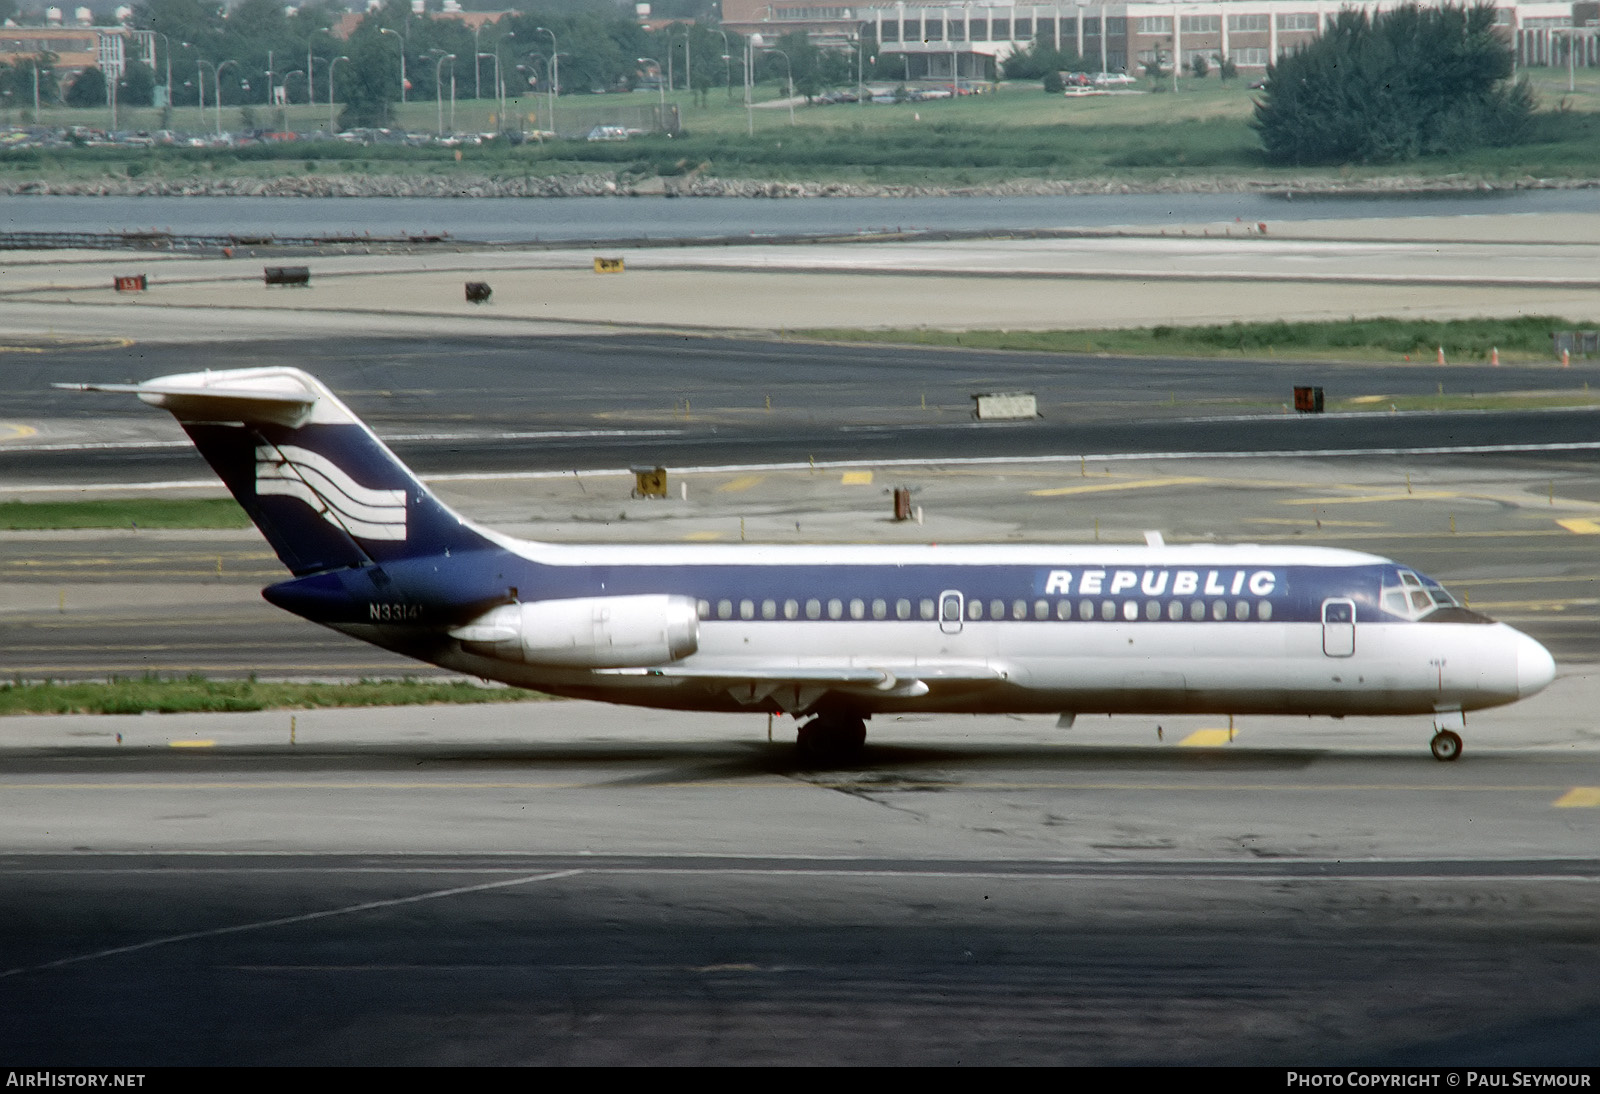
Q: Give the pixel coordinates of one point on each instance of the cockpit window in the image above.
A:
(1409, 596)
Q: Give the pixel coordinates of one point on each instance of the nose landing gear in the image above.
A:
(1445, 745)
(832, 738)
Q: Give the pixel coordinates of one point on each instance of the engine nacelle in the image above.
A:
(594, 632)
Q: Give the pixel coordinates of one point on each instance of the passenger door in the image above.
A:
(951, 605)
(1339, 627)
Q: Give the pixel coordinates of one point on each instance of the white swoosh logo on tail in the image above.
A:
(294, 472)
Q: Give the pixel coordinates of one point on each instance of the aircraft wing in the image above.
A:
(797, 687)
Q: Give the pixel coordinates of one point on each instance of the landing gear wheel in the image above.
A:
(832, 738)
(1445, 745)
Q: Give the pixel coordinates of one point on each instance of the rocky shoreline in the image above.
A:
(615, 185)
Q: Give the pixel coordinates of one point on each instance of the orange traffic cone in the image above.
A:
(1494, 357)
(1566, 358)
(1441, 355)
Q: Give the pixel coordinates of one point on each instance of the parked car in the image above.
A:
(608, 133)
(1113, 79)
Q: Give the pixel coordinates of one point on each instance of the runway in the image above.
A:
(977, 891)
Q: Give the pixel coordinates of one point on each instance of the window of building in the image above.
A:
(1153, 24)
(1246, 23)
(1298, 21)
(1253, 56)
(1200, 24)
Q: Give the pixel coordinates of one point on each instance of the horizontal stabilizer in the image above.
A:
(276, 396)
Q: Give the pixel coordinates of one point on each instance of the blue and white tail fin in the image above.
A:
(323, 489)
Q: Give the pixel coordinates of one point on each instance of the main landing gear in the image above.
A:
(832, 738)
(1446, 745)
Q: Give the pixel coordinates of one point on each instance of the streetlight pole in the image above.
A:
(751, 44)
(164, 38)
(200, 81)
(283, 111)
(332, 67)
(499, 87)
(727, 63)
(789, 70)
(219, 69)
(403, 44)
(661, 121)
(555, 73)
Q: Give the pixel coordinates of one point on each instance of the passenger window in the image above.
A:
(835, 609)
(813, 609)
(703, 609)
(1086, 609)
(1108, 609)
(791, 609)
(1197, 610)
(1041, 609)
(902, 609)
(1019, 609)
(880, 609)
(926, 609)
(747, 609)
(858, 609)
(1063, 609)
(724, 609)
(1152, 609)
(1241, 610)
(974, 609)
(950, 609)
(1219, 611)
(1264, 610)
(997, 609)
(1130, 610)
(769, 609)
(1175, 610)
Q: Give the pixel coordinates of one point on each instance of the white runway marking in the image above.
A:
(283, 921)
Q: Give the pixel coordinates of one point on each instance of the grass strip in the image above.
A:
(1382, 339)
(198, 695)
(123, 513)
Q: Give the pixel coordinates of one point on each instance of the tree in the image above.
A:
(1409, 82)
(88, 88)
(1227, 70)
(369, 83)
(1199, 66)
(138, 85)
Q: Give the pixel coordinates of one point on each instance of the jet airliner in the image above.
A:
(833, 634)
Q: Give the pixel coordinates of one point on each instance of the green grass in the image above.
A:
(197, 695)
(123, 513)
(1526, 338)
(1014, 132)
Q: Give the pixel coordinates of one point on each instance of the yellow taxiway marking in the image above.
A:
(1365, 499)
(1207, 738)
(1579, 797)
(1362, 400)
(1133, 484)
(192, 744)
(15, 431)
(856, 478)
(1581, 526)
(702, 537)
(740, 484)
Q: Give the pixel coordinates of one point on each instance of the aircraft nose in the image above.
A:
(1535, 667)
